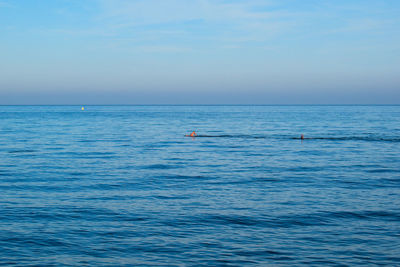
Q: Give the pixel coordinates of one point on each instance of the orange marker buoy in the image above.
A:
(302, 137)
(193, 134)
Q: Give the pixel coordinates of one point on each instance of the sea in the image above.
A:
(124, 186)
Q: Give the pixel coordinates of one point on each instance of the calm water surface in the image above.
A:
(121, 185)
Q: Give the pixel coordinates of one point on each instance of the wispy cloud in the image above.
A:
(179, 23)
(213, 23)
(166, 11)
(361, 25)
(5, 4)
(226, 22)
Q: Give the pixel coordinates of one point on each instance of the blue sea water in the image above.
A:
(122, 186)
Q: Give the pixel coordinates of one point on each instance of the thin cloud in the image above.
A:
(220, 23)
(5, 4)
(364, 25)
(125, 14)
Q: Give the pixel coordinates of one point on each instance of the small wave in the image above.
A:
(288, 221)
(232, 136)
(249, 221)
(21, 151)
(262, 252)
(159, 167)
(383, 170)
(77, 173)
(222, 135)
(37, 241)
(91, 155)
(186, 177)
(366, 215)
(351, 138)
(175, 197)
(333, 138)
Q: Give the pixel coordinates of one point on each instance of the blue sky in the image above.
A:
(199, 52)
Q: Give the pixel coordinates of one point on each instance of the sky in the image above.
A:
(199, 52)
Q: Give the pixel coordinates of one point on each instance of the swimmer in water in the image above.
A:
(302, 137)
(193, 134)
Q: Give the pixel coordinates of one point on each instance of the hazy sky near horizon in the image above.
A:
(199, 51)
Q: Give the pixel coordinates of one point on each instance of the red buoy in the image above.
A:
(193, 134)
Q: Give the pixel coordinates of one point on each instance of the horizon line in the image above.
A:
(5, 105)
